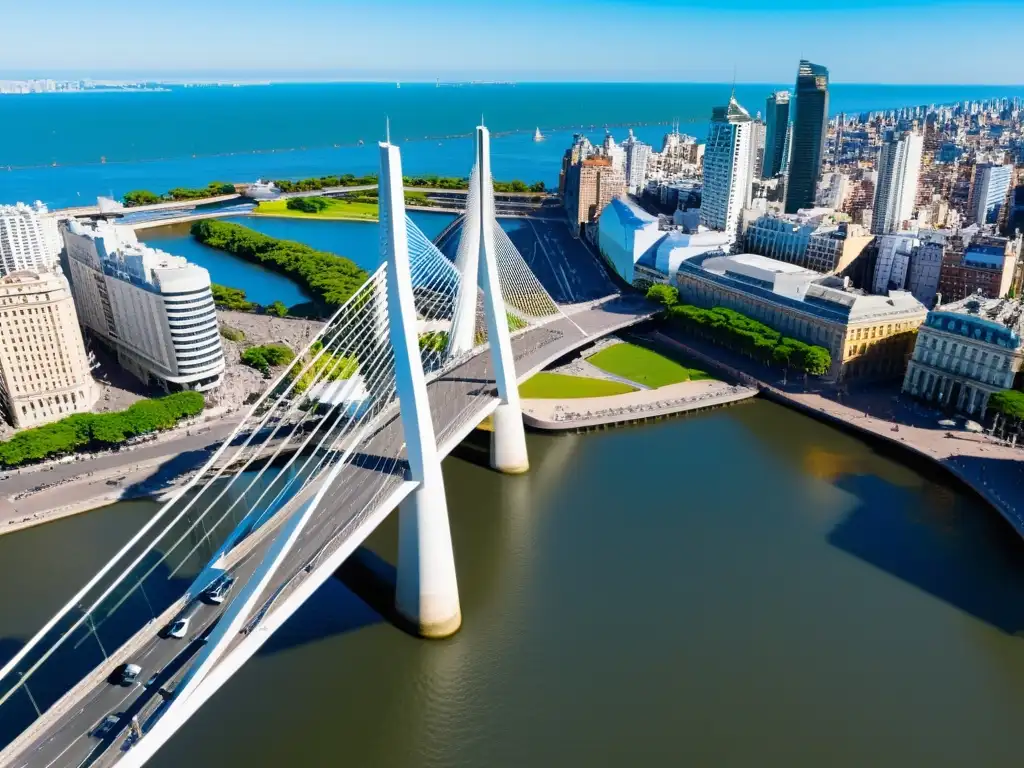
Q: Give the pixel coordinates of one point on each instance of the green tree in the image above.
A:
(139, 197)
(277, 309)
(330, 279)
(665, 295)
(308, 204)
(264, 357)
(231, 298)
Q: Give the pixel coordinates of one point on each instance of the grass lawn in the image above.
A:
(336, 209)
(556, 385)
(643, 366)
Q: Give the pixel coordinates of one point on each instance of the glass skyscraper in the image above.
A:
(810, 126)
(776, 119)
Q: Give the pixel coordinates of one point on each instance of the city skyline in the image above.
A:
(316, 40)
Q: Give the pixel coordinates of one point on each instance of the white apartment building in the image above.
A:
(727, 169)
(637, 155)
(893, 262)
(28, 239)
(991, 184)
(44, 369)
(899, 167)
(156, 310)
(926, 267)
(965, 352)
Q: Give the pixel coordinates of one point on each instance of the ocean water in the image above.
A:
(65, 149)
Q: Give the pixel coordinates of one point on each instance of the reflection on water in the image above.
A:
(746, 587)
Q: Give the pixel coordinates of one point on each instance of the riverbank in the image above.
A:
(994, 471)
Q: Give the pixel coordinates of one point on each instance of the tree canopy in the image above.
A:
(743, 334)
(1009, 403)
(231, 298)
(264, 357)
(330, 279)
(93, 431)
(145, 197)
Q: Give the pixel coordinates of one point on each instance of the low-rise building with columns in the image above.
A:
(965, 352)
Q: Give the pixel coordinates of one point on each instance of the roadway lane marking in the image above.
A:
(564, 284)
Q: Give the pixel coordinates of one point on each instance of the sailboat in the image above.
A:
(537, 135)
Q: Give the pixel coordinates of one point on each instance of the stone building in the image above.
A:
(44, 369)
(965, 352)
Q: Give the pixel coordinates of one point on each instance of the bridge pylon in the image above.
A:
(478, 266)
(427, 593)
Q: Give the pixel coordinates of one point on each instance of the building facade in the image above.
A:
(589, 186)
(637, 154)
(625, 233)
(44, 368)
(28, 239)
(925, 269)
(776, 127)
(965, 352)
(727, 169)
(986, 266)
(868, 337)
(899, 168)
(153, 309)
(989, 192)
(810, 130)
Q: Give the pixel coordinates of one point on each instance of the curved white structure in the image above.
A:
(156, 310)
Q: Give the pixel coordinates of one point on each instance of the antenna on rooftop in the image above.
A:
(387, 129)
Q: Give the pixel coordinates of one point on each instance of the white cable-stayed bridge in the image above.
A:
(355, 427)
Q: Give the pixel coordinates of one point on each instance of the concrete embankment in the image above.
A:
(592, 413)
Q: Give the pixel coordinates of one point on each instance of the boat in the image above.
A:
(398, 85)
(537, 135)
(262, 190)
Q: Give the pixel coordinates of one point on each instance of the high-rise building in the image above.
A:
(727, 168)
(989, 191)
(637, 155)
(615, 153)
(153, 309)
(28, 239)
(44, 369)
(899, 167)
(589, 186)
(776, 128)
(810, 128)
(757, 145)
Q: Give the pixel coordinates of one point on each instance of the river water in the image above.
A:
(744, 587)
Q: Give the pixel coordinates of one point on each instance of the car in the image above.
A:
(128, 674)
(179, 627)
(106, 728)
(219, 590)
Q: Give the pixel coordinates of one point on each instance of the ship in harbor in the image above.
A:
(261, 190)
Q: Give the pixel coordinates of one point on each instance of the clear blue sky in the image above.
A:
(865, 41)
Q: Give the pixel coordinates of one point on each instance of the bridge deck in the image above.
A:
(459, 399)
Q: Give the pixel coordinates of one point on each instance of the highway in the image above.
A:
(459, 399)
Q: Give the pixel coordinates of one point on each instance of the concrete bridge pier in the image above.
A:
(426, 590)
(508, 440)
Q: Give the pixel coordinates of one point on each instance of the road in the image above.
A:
(457, 400)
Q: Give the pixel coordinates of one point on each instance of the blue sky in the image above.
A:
(865, 41)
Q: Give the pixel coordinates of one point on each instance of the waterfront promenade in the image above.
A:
(582, 414)
(990, 467)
